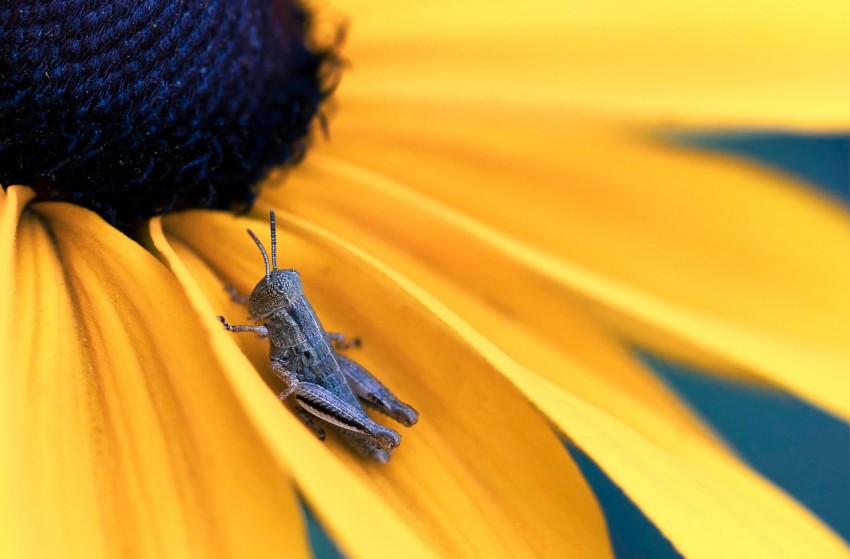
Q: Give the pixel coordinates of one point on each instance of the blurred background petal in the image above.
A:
(717, 63)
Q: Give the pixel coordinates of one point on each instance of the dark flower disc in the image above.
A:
(138, 107)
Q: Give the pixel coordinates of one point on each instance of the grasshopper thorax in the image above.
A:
(279, 288)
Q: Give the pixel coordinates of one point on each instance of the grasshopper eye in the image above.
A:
(278, 287)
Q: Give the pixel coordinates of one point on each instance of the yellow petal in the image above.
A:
(536, 324)
(119, 436)
(12, 203)
(753, 64)
(481, 474)
(707, 502)
(331, 490)
(707, 258)
(706, 506)
(546, 329)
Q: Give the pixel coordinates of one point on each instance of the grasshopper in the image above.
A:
(328, 388)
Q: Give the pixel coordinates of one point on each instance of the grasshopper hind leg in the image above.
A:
(373, 393)
(343, 415)
(364, 446)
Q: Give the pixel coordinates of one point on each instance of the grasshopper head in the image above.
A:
(279, 288)
(276, 291)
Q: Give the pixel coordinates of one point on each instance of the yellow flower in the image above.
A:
(497, 219)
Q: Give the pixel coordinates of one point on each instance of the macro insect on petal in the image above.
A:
(328, 388)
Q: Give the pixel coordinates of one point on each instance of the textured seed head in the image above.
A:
(136, 108)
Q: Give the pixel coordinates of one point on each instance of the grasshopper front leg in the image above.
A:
(261, 330)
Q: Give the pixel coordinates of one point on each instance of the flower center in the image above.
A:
(136, 108)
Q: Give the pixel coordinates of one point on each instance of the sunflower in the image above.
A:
(501, 217)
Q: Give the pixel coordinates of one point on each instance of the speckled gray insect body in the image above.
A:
(328, 387)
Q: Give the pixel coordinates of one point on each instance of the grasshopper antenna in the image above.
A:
(262, 249)
(274, 240)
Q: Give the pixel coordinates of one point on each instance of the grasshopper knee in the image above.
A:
(385, 437)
